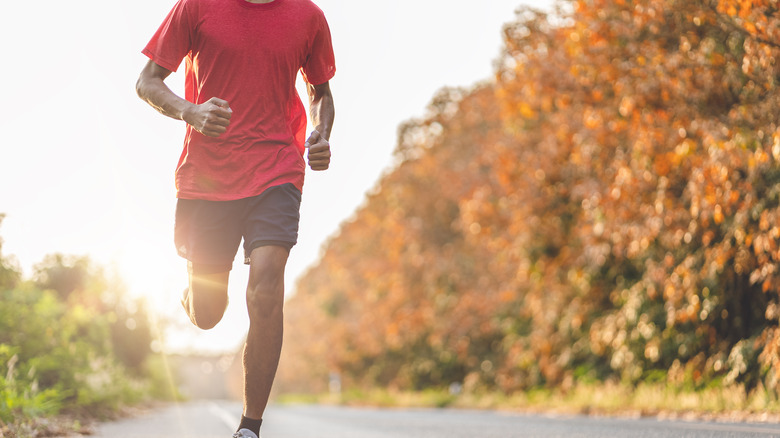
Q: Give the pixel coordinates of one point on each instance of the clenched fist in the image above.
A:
(210, 118)
(319, 151)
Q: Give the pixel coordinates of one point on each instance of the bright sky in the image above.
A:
(86, 167)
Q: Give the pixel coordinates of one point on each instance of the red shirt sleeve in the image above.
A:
(173, 40)
(320, 66)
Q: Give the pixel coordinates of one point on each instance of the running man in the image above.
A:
(241, 170)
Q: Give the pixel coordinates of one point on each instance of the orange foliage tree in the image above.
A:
(607, 208)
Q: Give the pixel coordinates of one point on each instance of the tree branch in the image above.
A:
(727, 21)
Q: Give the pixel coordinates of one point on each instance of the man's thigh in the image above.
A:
(272, 220)
(208, 233)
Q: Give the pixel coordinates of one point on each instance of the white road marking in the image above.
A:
(229, 419)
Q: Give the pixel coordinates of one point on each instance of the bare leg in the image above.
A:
(206, 298)
(265, 299)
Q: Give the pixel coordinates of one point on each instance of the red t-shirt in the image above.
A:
(248, 54)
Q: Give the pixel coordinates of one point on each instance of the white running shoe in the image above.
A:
(245, 433)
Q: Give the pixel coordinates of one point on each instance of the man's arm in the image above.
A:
(322, 112)
(210, 118)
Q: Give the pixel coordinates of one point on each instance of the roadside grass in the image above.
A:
(608, 399)
(26, 412)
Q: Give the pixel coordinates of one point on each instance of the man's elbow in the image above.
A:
(318, 92)
(140, 87)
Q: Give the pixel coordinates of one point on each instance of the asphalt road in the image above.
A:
(218, 419)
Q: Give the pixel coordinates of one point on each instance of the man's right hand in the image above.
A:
(210, 118)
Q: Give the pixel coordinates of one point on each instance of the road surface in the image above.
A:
(218, 419)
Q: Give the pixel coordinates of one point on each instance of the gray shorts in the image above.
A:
(208, 233)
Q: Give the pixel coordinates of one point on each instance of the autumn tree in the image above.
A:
(607, 208)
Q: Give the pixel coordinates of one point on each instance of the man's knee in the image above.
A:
(207, 305)
(265, 291)
(208, 297)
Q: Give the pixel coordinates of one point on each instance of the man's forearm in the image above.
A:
(210, 118)
(154, 92)
(322, 109)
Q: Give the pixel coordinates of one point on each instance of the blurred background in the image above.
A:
(570, 198)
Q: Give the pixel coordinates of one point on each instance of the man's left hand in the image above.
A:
(319, 151)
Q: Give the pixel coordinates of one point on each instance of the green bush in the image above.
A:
(20, 395)
(53, 355)
(67, 344)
